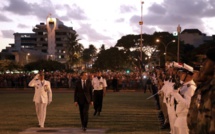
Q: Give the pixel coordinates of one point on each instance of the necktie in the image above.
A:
(84, 83)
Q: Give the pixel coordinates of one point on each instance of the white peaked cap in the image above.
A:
(176, 65)
(188, 68)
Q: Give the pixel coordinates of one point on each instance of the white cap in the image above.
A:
(176, 65)
(188, 68)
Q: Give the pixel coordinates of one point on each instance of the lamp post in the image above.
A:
(179, 32)
(165, 47)
(141, 26)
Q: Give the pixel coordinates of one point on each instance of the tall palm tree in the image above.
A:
(73, 49)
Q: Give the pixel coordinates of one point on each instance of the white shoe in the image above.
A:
(41, 126)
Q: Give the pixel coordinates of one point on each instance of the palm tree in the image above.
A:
(73, 50)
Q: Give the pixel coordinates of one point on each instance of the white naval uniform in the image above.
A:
(99, 84)
(42, 97)
(99, 89)
(183, 99)
(169, 101)
(170, 106)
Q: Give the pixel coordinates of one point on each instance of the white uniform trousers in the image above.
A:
(41, 113)
(181, 125)
(172, 117)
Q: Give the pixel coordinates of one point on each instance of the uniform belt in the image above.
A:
(98, 89)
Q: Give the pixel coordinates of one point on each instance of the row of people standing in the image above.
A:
(186, 97)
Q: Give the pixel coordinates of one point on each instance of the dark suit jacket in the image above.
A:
(83, 95)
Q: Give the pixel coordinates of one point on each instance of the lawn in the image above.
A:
(123, 112)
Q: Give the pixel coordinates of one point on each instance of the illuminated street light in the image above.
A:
(165, 46)
(27, 57)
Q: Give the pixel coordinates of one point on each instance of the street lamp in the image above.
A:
(165, 47)
(179, 32)
(27, 57)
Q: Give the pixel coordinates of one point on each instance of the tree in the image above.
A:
(131, 43)
(102, 47)
(73, 49)
(112, 58)
(47, 65)
(9, 65)
(89, 54)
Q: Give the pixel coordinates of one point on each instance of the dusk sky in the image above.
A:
(100, 22)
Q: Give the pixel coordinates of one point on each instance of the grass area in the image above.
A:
(123, 112)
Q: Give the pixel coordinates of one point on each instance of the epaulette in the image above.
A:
(188, 85)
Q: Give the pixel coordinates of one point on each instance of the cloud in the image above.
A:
(120, 20)
(21, 7)
(22, 26)
(43, 9)
(167, 15)
(4, 18)
(7, 33)
(157, 9)
(126, 9)
(86, 31)
(18, 7)
(75, 12)
(210, 9)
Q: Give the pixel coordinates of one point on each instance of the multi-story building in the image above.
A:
(194, 37)
(47, 42)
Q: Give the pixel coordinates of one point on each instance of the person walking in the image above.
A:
(99, 90)
(83, 98)
(42, 96)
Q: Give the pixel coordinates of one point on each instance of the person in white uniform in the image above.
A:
(42, 96)
(183, 96)
(99, 89)
(167, 89)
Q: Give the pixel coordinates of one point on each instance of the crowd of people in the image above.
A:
(60, 79)
(185, 96)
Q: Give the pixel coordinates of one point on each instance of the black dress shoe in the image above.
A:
(165, 126)
(84, 128)
(95, 113)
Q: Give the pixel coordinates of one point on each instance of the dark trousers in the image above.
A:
(98, 99)
(154, 91)
(84, 111)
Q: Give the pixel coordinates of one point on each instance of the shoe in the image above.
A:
(98, 113)
(165, 126)
(95, 113)
(41, 126)
(84, 128)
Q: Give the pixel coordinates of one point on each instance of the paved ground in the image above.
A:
(62, 131)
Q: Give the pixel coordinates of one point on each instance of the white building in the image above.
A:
(48, 39)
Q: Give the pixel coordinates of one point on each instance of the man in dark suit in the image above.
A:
(83, 98)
